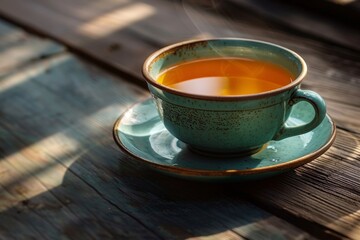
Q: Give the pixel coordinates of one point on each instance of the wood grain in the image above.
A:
(17, 48)
(319, 24)
(326, 189)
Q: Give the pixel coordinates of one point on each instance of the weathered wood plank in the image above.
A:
(17, 48)
(37, 173)
(301, 197)
(325, 191)
(342, 10)
(68, 213)
(26, 212)
(346, 116)
(25, 225)
(111, 23)
(326, 27)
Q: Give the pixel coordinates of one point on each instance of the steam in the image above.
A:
(207, 17)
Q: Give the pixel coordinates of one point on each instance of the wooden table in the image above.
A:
(69, 68)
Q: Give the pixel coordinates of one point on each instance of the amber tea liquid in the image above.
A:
(225, 76)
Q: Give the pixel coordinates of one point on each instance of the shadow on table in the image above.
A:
(105, 193)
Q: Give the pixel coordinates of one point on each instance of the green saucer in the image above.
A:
(140, 133)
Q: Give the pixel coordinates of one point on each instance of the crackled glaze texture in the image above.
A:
(230, 124)
(217, 130)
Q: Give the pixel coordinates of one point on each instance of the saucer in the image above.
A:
(141, 133)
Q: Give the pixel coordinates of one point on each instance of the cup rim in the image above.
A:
(178, 45)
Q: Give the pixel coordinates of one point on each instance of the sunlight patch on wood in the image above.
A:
(31, 171)
(228, 235)
(342, 2)
(345, 220)
(43, 165)
(116, 20)
(20, 77)
(92, 9)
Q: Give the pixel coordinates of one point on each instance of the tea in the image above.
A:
(225, 76)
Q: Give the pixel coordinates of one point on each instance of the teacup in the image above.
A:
(236, 124)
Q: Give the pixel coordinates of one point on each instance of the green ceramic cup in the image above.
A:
(230, 124)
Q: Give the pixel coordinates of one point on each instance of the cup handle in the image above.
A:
(320, 111)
